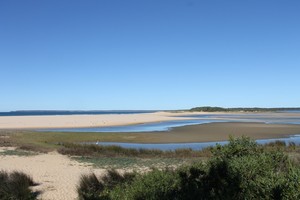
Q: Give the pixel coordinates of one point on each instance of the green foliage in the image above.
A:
(17, 152)
(240, 170)
(134, 163)
(155, 185)
(237, 148)
(209, 109)
(16, 186)
(89, 187)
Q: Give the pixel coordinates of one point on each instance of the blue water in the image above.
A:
(289, 111)
(260, 118)
(194, 146)
(196, 120)
(75, 112)
(147, 127)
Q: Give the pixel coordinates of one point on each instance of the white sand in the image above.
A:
(76, 121)
(57, 174)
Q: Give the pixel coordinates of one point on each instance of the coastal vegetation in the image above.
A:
(254, 109)
(129, 158)
(16, 186)
(93, 150)
(241, 169)
(43, 141)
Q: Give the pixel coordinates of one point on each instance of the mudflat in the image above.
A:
(221, 131)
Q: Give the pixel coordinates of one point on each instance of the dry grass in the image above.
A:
(117, 151)
(16, 185)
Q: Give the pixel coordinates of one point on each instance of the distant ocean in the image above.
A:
(67, 112)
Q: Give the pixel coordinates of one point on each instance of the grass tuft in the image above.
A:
(16, 186)
(92, 188)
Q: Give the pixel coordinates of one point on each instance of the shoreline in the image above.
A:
(106, 120)
(206, 132)
(220, 131)
(86, 121)
(210, 132)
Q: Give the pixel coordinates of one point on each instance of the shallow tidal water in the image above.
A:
(197, 119)
(194, 146)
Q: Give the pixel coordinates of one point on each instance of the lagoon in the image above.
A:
(191, 120)
(194, 146)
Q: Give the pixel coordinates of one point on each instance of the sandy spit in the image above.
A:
(77, 121)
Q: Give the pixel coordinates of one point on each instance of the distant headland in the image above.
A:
(241, 109)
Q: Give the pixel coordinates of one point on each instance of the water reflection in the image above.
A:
(194, 146)
(196, 120)
(147, 127)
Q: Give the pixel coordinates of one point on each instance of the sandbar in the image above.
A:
(104, 120)
(81, 121)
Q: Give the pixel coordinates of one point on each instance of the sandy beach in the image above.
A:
(81, 121)
(78, 121)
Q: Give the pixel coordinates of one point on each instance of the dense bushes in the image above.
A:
(16, 186)
(240, 170)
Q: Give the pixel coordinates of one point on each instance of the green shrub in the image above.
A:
(89, 187)
(155, 185)
(92, 188)
(239, 147)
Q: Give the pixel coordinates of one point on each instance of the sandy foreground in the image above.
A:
(77, 121)
(56, 174)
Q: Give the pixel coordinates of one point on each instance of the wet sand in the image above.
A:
(87, 121)
(212, 132)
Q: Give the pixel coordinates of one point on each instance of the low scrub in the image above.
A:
(16, 186)
(93, 188)
(241, 169)
(92, 150)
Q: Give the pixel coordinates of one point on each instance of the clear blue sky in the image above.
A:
(149, 54)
